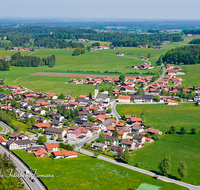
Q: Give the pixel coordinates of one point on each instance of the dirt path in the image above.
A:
(72, 75)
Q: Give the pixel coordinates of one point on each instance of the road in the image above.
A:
(78, 146)
(21, 168)
(162, 75)
(189, 186)
(6, 128)
(116, 115)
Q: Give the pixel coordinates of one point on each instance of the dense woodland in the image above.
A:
(56, 37)
(148, 39)
(195, 41)
(191, 31)
(4, 65)
(31, 61)
(183, 55)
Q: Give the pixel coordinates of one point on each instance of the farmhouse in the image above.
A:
(41, 153)
(51, 147)
(64, 154)
(124, 99)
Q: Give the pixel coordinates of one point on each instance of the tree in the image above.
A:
(182, 169)
(194, 131)
(61, 96)
(111, 143)
(52, 137)
(122, 78)
(172, 130)
(95, 154)
(42, 139)
(109, 110)
(183, 130)
(90, 95)
(149, 55)
(156, 137)
(140, 91)
(126, 155)
(165, 165)
(59, 139)
(32, 120)
(102, 138)
(115, 133)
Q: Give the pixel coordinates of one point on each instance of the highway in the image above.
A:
(6, 128)
(21, 168)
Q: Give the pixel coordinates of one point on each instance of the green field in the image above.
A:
(1, 128)
(99, 60)
(85, 172)
(192, 77)
(179, 147)
(162, 117)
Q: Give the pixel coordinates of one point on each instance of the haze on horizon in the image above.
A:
(127, 9)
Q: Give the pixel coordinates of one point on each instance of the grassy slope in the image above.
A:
(179, 147)
(162, 117)
(85, 172)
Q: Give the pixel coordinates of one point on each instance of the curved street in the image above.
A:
(6, 128)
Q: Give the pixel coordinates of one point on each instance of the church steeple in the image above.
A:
(96, 91)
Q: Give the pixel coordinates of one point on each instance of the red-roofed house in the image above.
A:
(41, 153)
(64, 154)
(124, 99)
(51, 147)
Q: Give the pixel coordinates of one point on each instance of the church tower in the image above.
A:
(96, 91)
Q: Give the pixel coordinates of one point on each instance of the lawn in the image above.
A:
(161, 116)
(1, 128)
(192, 76)
(85, 172)
(179, 147)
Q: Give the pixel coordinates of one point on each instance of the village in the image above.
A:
(88, 119)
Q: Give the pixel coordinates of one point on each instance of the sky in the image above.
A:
(113, 9)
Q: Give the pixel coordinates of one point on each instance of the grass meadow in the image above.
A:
(179, 147)
(85, 172)
(162, 117)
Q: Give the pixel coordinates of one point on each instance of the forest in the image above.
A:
(183, 55)
(49, 37)
(4, 65)
(31, 61)
(195, 41)
(191, 31)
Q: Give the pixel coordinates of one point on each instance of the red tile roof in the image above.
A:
(51, 146)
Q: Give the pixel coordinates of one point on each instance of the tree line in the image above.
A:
(195, 41)
(31, 61)
(147, 39)
(191, 31)
(186, 55)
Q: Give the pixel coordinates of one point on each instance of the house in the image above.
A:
(41, 153)
(152, 131)
(122, 134)
(170, 66)
(16, 136)
(172, 72)
(139, 138)
(51, 147)
(137, 128)
(85, 132)
(55, 131)
(116, 149)
(110, 138)
(124, 99)
(33, 149)
(73, 135)
(105, 124)
(2, 140)
(64, 154)
(99, 145)
(142, 98)
(18, 144)
(56, 124)
(128, 144)
(41, 126)
(119, 124)
(171, 102)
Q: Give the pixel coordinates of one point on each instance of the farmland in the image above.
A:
(85, 172)
(161, 117)
(179, 147)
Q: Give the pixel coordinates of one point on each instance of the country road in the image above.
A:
(21, 168)
(189, 186)
(6, 128)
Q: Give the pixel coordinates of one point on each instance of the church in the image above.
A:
(101, 97)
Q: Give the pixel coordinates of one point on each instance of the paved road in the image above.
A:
(78, 146)
(116, 115)
(6, 128)
(189, 186)
(162, 75)
(21, 168)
